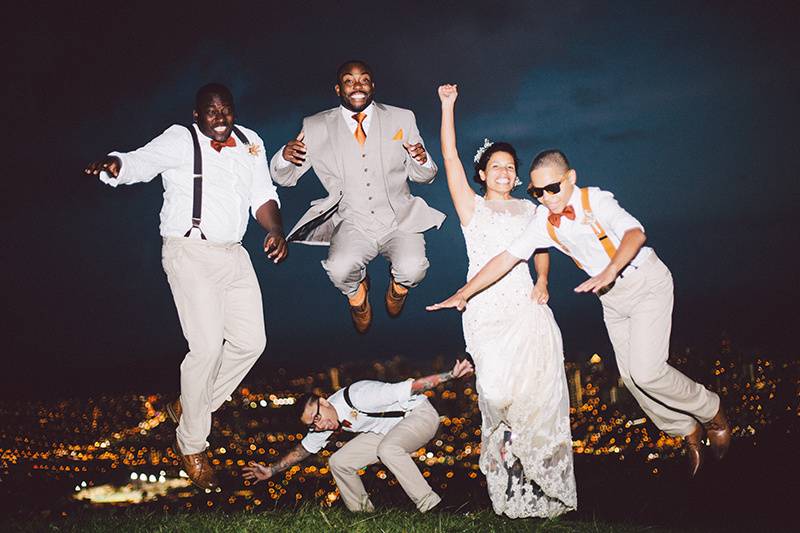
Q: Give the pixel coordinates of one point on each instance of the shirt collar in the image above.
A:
(348, 115)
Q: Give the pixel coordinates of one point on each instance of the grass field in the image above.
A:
(311, 518)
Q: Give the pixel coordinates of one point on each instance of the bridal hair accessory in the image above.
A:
(486, 144)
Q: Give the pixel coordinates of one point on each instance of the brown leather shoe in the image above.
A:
(174, 411)
(694, 449)
(198, 468)
(362, 314)
(395, 298)
(719, 433)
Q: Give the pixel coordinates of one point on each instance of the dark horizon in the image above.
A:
(687, 115)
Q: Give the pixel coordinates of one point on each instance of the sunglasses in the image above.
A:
(312, 426)
(553, 188)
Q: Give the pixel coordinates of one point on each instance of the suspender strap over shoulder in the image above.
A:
(608, 246)
(197, 191)
(590, 219)
(384, 414)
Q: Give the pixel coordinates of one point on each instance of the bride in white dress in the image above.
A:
(526, 444)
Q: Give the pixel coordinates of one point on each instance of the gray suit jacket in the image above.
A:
(393, 126)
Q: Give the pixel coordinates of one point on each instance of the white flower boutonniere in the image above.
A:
(254, 149)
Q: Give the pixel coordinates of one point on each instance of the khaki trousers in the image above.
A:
(220, 309)
(393, 450)
(638, 315)
(351, 251)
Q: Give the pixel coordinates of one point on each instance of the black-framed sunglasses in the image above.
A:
(311, 427)
(553, 188)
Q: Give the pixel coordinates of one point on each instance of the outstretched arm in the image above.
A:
(462, 194)
(260, 472)
(492, 271)
(460, 369)
(290, 163)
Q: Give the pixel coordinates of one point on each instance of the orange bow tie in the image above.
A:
(218, 146)
(555, 218)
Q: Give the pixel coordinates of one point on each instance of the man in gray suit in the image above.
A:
(363, 152)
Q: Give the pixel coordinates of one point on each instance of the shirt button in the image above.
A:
(367, 184)
(365, 170)
(363, 155)
(373, 212)
(370, 198)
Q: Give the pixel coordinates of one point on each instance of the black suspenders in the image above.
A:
(384, 414)
(197, 193)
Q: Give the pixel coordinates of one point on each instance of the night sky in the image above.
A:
(688, 114)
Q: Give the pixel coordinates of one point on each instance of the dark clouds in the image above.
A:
(687, 113)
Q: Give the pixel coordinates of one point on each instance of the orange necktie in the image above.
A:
(218, 146)
(555, 218)
(361, 135)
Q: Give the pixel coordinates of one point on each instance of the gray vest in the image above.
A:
(365, 202)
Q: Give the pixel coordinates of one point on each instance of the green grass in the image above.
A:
(309, 518)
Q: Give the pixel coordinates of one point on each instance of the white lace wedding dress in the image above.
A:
(526, 444)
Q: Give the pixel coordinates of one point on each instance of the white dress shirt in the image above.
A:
(368, 396)
(234, 180)
(577, 235)
(351, 124)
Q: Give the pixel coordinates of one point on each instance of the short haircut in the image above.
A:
(345, 66)
(549, 158)
(303, 401)
(205, 92)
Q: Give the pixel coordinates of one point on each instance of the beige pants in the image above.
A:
(638, 315)
(393, 450)
(351, 251)
(219, 305)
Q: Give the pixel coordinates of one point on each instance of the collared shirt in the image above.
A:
(351, 124)
(577, 235)
(235, 179)
(367, 396)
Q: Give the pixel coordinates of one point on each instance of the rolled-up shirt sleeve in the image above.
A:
(313, 442)
(613, 215)
(263, 190)
(532, 239)
(167, 151)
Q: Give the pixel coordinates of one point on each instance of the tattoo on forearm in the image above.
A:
(429, 382)
(297, 454)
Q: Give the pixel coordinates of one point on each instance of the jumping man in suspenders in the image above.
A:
(392, 419)
(213, 172)
(635, 289)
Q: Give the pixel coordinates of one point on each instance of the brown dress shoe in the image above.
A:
(198, 468)
(694, 449)
(362, 313)
(395, 298)
(719, 433)
(174, 411)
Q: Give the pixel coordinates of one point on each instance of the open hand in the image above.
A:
(256, 472)
(462, 368)
(295, 150)
(417, 151)
(456, 301)
(111, 164)
(275, 247)
(448, 93)
(595, 283)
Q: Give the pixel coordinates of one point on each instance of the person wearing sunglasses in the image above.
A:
(635, 289)
(526, 443)
(392, 420)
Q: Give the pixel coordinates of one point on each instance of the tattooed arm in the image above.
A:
(259, 472)
(461, 369)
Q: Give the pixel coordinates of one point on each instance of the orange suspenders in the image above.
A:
(590, 219)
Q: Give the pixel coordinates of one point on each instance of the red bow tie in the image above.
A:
(555, 218)
(218, 146)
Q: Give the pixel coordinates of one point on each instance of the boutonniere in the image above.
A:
(254, 149)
